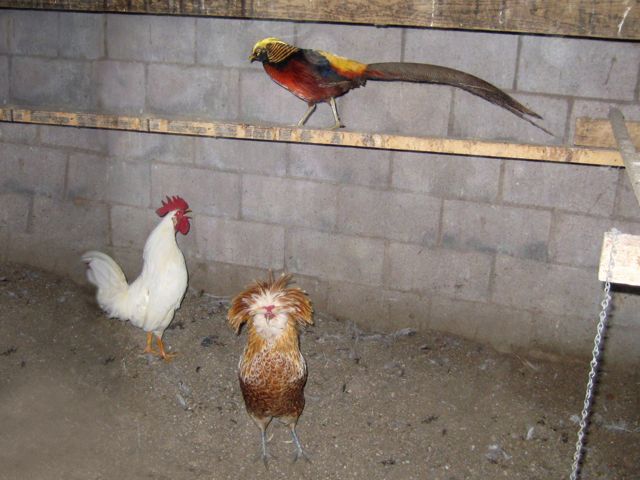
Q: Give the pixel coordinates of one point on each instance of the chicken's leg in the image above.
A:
(148, 348)
(262, 424)
(299, 450)
(165, 355)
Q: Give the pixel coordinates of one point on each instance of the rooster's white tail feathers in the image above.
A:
(112, 285)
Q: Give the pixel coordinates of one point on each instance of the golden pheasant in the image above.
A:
(316, 76)
(272, 371)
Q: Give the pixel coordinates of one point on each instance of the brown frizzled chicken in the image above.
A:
(272, 370)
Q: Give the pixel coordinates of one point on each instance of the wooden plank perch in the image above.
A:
(626, 259)
(288, 134)
(584, 18)
(596, 132)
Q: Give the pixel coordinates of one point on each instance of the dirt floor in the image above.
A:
(78, 400)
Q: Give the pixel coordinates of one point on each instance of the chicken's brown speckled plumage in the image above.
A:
(272, 371)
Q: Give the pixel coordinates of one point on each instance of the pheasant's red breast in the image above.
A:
(308, 82)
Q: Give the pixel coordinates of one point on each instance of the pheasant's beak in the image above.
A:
(252, 57)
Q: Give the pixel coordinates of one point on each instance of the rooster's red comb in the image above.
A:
(171, 204)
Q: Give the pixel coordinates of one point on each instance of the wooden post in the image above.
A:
(627, 150)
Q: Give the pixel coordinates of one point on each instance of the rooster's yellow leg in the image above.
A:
(166, 356)
(148, 348)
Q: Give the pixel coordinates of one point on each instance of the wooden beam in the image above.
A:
(288, 134)
(618, 19)
(626, 259)
(595, 132)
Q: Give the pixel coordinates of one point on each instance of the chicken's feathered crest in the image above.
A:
(293, 299)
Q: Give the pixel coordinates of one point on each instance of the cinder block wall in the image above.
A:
(500, 251)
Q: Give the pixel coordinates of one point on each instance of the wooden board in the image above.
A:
(278, 133)
(626, 259)
(591, 132)
(585, 18)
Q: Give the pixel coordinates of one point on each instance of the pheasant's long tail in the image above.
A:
(426, 73)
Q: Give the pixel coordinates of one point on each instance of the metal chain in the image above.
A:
(595, 362)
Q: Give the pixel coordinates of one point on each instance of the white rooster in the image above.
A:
(152, 299)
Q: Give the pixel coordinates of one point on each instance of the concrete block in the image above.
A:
(205, 92)
(481, 227)
(206, 191)
(340, 165)
(335, 257)
(151, 38)
(14, 214)
(150, 147)
(120, 86)
(405, 108)
(222, 279)
(364, 305)
(244, 243)
(225, 42)
(622, 345)
(262, 100)
(564, 335)
(490, 56)
(549, 288)
(463, 275)
(44, 82)
(565, 187)
(316, 289)
(448, 176)
(100, 179)
(29, 169)
(378, 310)
(579, 67)
(626, 305)
(246, 157)
(131, 226)
(5, 21)
(381, 45)
(477, 118)
(82, 35)
(4, 80)
(129, 259)
(289, 202)
(627, 206)
(34, 33)
(577, 240)
(407, 310)
(18, 133)
(504, 328)
(77, 138)
(70, 226)
(405, 217)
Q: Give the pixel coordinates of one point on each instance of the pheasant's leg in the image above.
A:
(307, 114)
(334, 109)
(148, 348)
(299, 450)
(166, 356)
